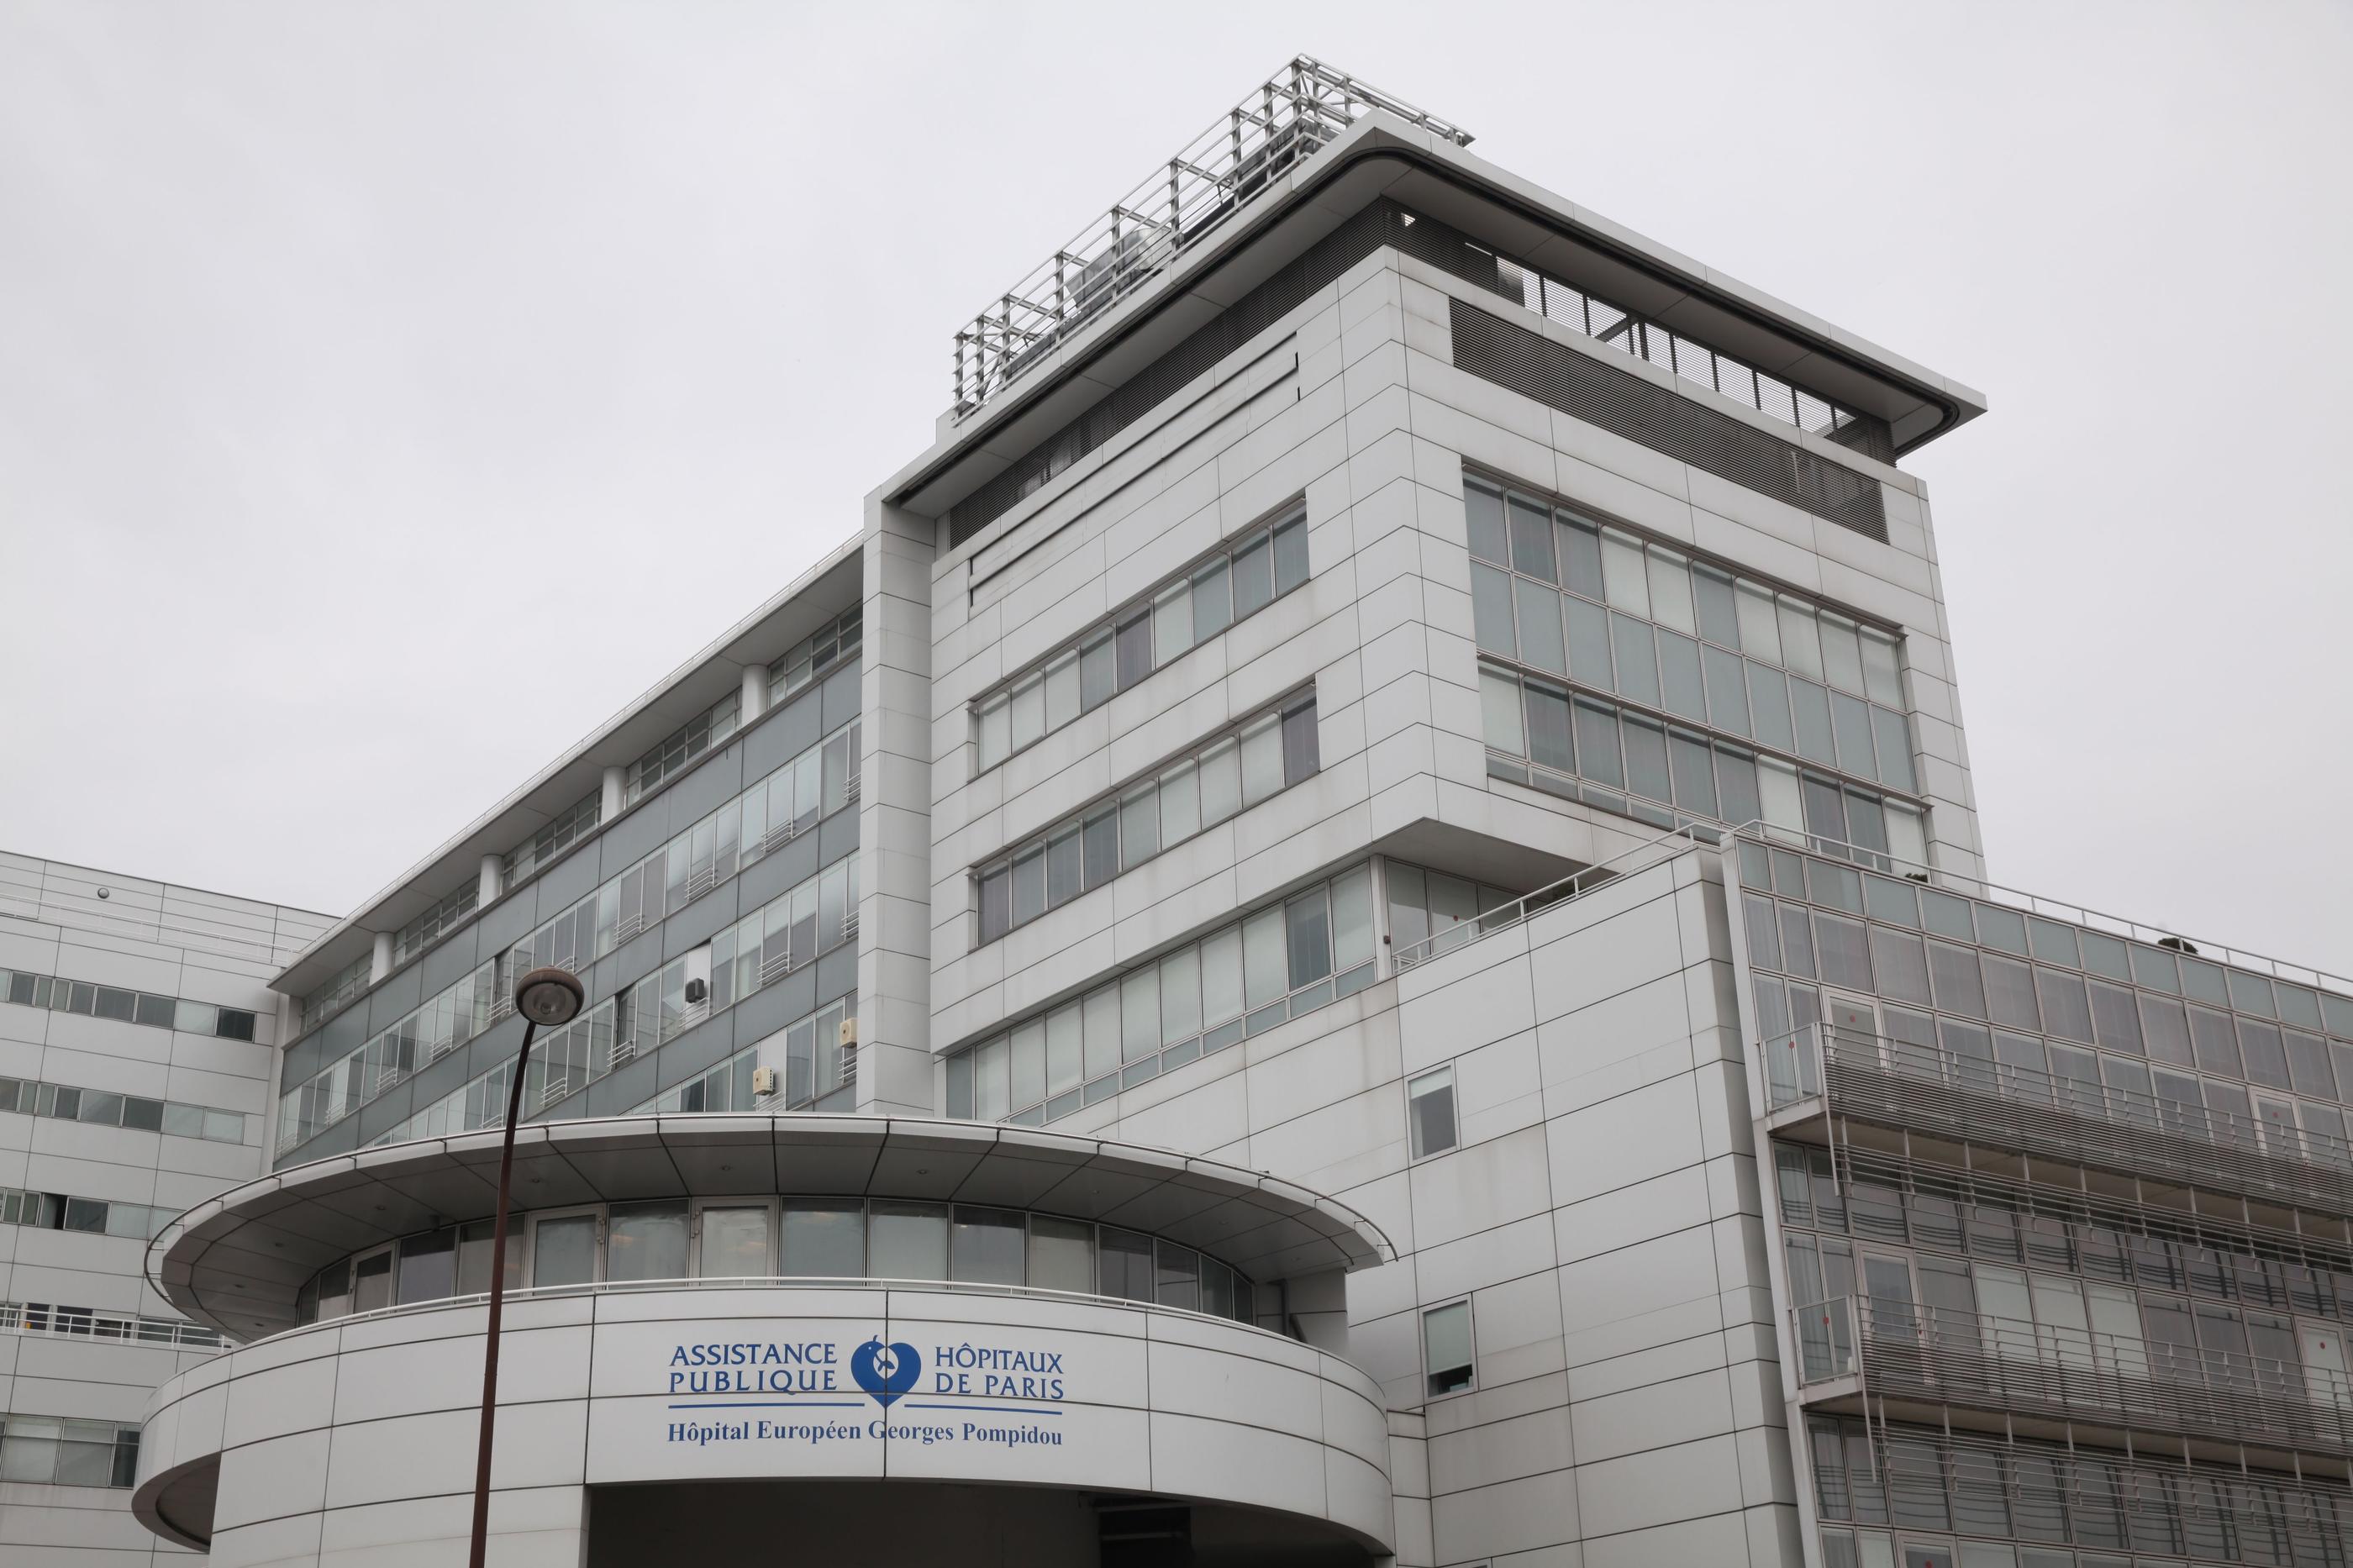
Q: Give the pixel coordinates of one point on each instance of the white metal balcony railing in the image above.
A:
(1904, 1349)
(1767, 835)
(1305, 106)
(1898, 1083)
(1575, 885)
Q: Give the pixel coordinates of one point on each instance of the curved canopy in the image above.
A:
(236, 1261)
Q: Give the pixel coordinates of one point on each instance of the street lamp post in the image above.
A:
(552, 998)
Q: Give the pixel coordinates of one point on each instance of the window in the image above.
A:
(1151, 633)
(761, 948)
(1429, 1112)
(2072, 1014)
(1270, 752)
(67, 1103)
(689, 741)
(1277, 962)
(907, 1241)
(827, 648)
(647, 1241)
(1563, 596)
(1445, 1348)
(447, 915)
(823, 1240)
(48, 1450)
(59, 995)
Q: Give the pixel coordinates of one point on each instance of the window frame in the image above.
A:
(1413, 1100)
(1141, 645)
(1469, 1368)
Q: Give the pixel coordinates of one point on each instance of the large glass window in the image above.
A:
(647, 1241)
(989, 1246)
(1062, 1255)
(563, 1250)
(907, 1241)
(49, 1451)
(823, 1239)
(1090, 846)
(762, 819)
(1239, 580)
(1277, 962)
(1768, 681)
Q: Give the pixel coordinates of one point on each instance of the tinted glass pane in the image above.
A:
(1491, 610)
(1483, 509)
(1547, 727)
(1253, 574)
(1810, 708)
(1589, 643)
(989, 1246)
(1531, 527)
(1540, 634)
(824, 1240)
(1290, 556)
(647, 1241)
(1638, 669)
(1727, 694)
(1679, 677)
(1597, 745)
(1646, 759)
(1580, 558)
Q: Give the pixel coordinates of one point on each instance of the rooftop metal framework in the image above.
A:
(1307, 104)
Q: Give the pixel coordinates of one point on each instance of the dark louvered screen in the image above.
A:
(1626, 404)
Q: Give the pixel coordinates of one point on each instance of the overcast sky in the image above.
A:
(388, 392)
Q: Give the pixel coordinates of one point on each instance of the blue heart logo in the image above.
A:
(886, 1372)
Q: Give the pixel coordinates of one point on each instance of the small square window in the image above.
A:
(1445, 1348)
(1429, 1110)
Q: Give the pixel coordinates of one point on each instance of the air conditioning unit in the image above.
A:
(697, 991)
(763, 1082)
(848, 1034)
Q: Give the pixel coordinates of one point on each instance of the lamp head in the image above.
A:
(549, 997)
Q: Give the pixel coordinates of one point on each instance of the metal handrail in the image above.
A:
(1977, 888)
(1972, 1358)
(1927, 1087)
(1288, 118)
(1575, 885)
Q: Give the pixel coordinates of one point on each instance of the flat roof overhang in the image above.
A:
(1382, 155)
(235, 1262)
(761, 638)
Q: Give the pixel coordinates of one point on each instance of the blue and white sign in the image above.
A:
(792, 1391)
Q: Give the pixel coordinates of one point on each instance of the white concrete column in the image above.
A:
(754, 701)
(380, 964)
(894, 837)
(493, 876)
(617, 784)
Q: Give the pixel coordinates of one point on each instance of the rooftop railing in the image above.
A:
(1928, 1087)
(1765, 834)
(1305, 106)
(1909, 1349)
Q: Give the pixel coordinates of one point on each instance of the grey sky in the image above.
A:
(388, 392)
